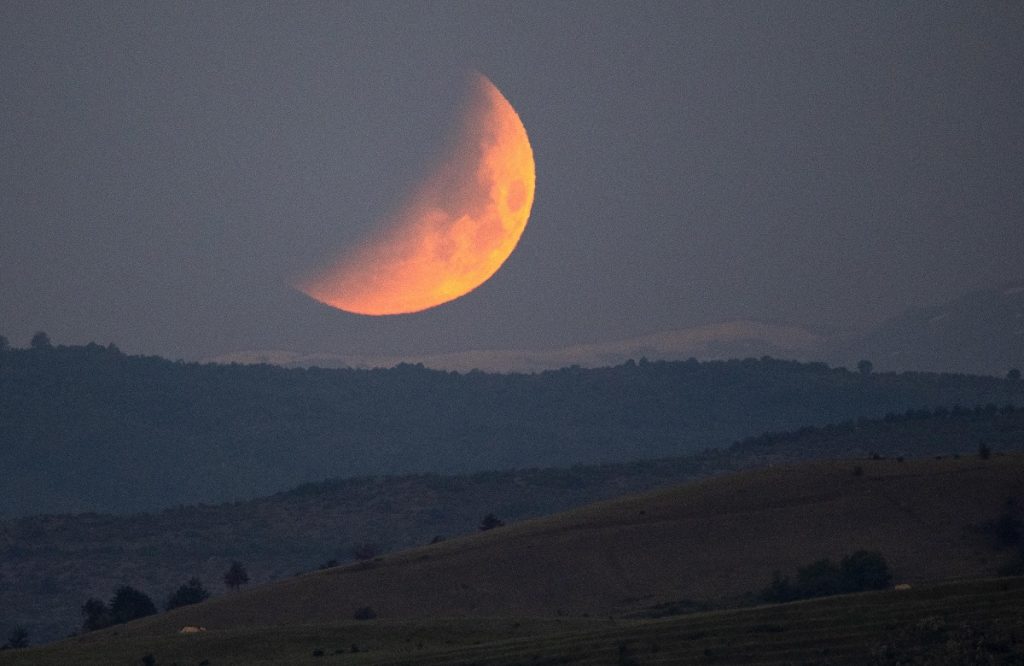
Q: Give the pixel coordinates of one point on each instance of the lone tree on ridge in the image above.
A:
(236, 576)
(491, 521)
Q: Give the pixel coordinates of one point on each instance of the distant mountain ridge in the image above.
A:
(980, 332)
(734, 339)
(977, 333)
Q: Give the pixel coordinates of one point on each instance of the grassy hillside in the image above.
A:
(714, 541)
(90, 429)
(50, 564)
(974, 622)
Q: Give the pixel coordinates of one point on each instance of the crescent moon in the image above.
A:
(454, 232)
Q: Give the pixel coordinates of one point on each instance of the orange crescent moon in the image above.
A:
(455, 231)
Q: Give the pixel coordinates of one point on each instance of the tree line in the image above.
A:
(129, 604)
(174, 433)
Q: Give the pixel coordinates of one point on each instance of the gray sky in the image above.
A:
(166, 168)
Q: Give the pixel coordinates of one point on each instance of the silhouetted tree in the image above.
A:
(365, 551)
(130, 604)
(190, 593)
(865, 367)
(126, 605)
(858, 572)
(1013, 375)
(490, 521)
(864, 570)
(364, 613)
(17, 639)
(40, 341)
(236, 576)
(4, 344)
(95, 615)
(780, 590)
(984, 452)
(819, 579)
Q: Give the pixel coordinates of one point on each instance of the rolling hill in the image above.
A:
(709, 541)
(50, 564)
(716, 541)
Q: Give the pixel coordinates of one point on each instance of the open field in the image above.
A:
(962, 622)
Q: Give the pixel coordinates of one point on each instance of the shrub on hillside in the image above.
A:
(126, 605)
(190, 593)
(365, 551)
(779, 591)
(236, 575)
(490, 521)
(819, 579)
(130, 604)
(17, 639)
(861, 571)
(95, 615)
(864, 570)
(364, 613)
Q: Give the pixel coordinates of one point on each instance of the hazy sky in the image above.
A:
(167, 168)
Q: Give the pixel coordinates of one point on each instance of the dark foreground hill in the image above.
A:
(714, 542)
(971, 622)
(90, 429)
(50, 564)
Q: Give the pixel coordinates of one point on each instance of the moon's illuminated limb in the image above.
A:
(457, 229)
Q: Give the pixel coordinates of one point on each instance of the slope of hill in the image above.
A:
(951, 623)
(979, 332)
(712, 541)
(87, 428)
(916, 432)
(50, 564)
(707, 541)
